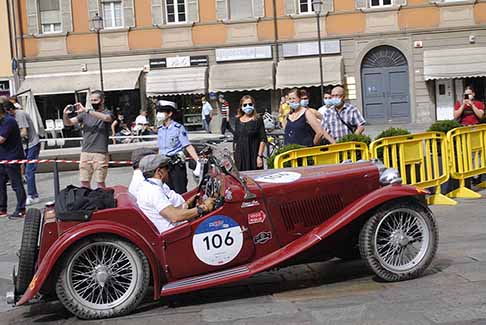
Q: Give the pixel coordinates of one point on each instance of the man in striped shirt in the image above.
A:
(342, 118)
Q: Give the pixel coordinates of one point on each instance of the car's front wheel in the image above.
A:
(399, 241)
(103, 277)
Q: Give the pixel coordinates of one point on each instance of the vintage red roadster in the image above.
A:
(104, 264)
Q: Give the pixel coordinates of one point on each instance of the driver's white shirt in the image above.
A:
(152, 198)
(138, 180)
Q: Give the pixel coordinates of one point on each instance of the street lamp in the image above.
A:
(317, 7)
(97, 23)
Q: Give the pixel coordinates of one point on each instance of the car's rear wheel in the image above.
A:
(399, 241)
(103, 277)
(28, 250)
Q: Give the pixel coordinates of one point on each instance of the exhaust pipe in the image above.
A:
(11, 298)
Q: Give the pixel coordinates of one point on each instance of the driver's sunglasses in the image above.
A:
(246, 104)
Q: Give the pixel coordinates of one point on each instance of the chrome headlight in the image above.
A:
(390, 176)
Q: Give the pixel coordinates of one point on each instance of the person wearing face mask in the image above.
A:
(303, 127)
(304, 102)
(172, 140)
(342, 118)
(249, 136)
(161, 205)
(96, 126)
(470, 111)
(119, 128)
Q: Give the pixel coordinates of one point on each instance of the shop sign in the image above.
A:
(244, 53)
(311, 48)
(178, 62)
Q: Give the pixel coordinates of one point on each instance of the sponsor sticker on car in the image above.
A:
(250, 204)
(256, 217)
(279, 178)
(217, 240)
(262, 237)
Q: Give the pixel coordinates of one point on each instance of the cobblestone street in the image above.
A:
(453, 291)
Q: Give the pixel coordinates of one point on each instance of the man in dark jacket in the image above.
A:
(10, 149)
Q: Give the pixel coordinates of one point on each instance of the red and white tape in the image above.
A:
(63, 161)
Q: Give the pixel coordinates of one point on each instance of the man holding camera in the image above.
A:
(172, 139)
(470, 111)
(96, 127)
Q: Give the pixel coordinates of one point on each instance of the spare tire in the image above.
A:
(28, 250)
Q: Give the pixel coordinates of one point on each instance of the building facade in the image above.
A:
(401, 61)
(7, 83)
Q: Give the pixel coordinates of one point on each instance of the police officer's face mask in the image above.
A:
(162, 116)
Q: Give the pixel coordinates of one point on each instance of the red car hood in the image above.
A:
(271, 178)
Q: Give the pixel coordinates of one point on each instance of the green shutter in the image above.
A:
(192, 11)
(157, 12)
(221, 9)
(32, 17)
(361, 4)
(128, 13)
(291, 7)
(66, 16)
(93, 9)
(259, 8)
(328, 6)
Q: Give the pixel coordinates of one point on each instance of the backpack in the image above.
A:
(78, 203)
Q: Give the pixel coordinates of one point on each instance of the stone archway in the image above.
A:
(385, 86)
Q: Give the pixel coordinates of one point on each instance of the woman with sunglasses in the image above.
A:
(249, 136)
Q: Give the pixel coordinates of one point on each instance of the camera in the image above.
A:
(71, 109)
(466, 96)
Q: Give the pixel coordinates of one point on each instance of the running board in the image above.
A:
(206, 281)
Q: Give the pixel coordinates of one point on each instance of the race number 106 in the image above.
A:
(215, 241)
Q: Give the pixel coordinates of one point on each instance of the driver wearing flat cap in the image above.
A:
(160, 204)
(172, 140)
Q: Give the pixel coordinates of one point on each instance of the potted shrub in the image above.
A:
(282, 150)
(356, 138)
(390, 132)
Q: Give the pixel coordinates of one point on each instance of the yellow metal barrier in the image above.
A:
(421, 159)
(323, 155)
(467, 148)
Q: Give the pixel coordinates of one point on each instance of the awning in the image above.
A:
(177, 81)
(241, 76)
(455, 63)
(66, 83)
(305, 72)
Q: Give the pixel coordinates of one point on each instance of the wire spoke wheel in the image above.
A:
(401, 239)
(101, 275)
(103, 278)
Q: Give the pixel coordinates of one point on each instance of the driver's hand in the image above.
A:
(191, 202)
(208, 204)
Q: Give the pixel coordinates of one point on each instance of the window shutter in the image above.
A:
(128, 13)
(361, 4)
(328, 6)
(192, 11)
(157, 12)
(291, 7)
(259, 8)
(32, 17)
(66, 16)
(221, 9)
(400, 2)
(93, 9)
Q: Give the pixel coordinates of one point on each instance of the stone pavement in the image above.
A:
(453, 291)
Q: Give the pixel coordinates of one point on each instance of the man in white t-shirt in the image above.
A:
(138, 179)
(142, 118)
(160, 205)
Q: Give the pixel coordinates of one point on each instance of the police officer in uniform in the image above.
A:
(172, 139)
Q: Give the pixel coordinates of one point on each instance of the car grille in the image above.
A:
(310, 212)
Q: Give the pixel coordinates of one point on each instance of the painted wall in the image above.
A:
(5, 56)
(344, 21)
